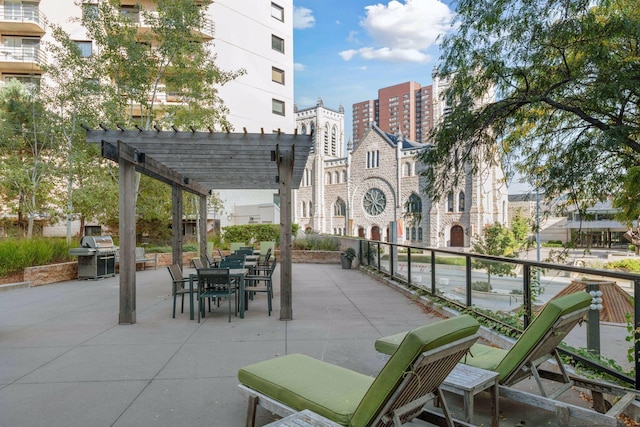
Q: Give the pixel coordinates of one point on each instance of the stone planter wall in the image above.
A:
(53, 273)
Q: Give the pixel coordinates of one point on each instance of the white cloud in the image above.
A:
(297, 66)
(403, 31)
(348, 54)
(303, 18)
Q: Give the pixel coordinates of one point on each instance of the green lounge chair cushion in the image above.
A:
(505, 361)
(342, 395)
(537, 329)
(302, 382)
(415, 342)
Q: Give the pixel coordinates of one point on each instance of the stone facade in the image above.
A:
(337, 192)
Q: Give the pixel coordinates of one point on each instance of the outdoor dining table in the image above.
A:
(237, 273)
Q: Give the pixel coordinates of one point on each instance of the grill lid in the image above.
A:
(97, 242)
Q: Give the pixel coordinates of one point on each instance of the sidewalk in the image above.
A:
(65, 361)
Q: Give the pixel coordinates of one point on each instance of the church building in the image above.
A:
(375, 190)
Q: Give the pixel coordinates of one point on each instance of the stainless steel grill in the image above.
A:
(96, 257)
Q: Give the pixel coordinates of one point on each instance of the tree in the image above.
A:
(171, 58)
(566, 108)
(496, 240)
(28, 145)
(78, 96)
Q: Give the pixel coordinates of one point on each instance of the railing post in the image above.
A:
(391, 260)
(636, 333)
(379, 256)
(433, 272)
(468, 279)
(409, 265)
(526, 293)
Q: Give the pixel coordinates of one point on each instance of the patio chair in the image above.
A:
(178, 286)
(234, 246)
(537, 344)
(409, 379)
(210, 261)
(215, 283)
(197, 263)
(264, 259)
(257, 283)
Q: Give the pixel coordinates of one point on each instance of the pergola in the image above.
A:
(199, 162)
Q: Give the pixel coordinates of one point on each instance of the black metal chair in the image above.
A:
(257, 283)
(178, 286)
(215, 283)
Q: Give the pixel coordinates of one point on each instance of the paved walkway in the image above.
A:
(65, 361)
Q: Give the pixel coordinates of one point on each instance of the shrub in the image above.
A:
(315, 242)
(18, 254)
(628, 265)
(481, 286)
(253, 233)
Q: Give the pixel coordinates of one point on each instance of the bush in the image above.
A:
(253, 233)
(481, 286)
(18, 254)
(315, 242)
(628, 265)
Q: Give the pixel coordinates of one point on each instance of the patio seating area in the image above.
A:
(65, 360)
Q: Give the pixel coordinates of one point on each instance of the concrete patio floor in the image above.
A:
(65, 360)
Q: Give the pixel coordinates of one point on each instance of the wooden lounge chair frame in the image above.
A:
(419, 384)
(544, 350)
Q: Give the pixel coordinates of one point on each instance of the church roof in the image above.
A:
(393, 139)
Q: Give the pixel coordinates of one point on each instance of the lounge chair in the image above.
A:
(410, 378)
(537, 344)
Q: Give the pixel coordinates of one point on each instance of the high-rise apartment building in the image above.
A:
(22, 26)
(405, 109)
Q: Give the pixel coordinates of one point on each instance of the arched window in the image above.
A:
(303, 129)
(313, 127)
(326, 138)
(327, 178)
(420, 233)
(407, 169)
(336, 178)
(334, 139)
(344, 176)
(414, 204)
(310, 209)
(450, 202)
(339, 208)
(413, 233)
(461, 201)
(304, 209)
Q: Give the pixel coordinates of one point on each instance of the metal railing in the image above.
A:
(25, 53)
(22, 14)
(518, 285)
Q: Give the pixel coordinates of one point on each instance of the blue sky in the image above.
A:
(345, 50)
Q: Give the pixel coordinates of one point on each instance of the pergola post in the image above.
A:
(285, 168)
(127, 211)
(176, 225)
(202, 227)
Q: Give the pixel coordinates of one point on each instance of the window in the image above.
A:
(85, 48)
(304, 209)
(277, 107)
(277, 12)
(277, 43)
(340, 208)
(413, 233)
(89, 11)
(450, 202)
(461, 201)
(303, 129)
(277, 75)
(420, 233)
(414, 204)
(373, 159)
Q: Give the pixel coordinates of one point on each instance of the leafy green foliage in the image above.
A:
(559, 81)
(496, 240)
(254, 233)
(628, 265)
(315, 242)
(17, 254)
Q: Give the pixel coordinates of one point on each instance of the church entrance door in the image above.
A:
(375, 233)
(457, 236)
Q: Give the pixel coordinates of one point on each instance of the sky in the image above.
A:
(344, 51)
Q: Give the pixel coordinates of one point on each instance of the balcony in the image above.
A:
(23, 20)
(22, 59)
(206, 32)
